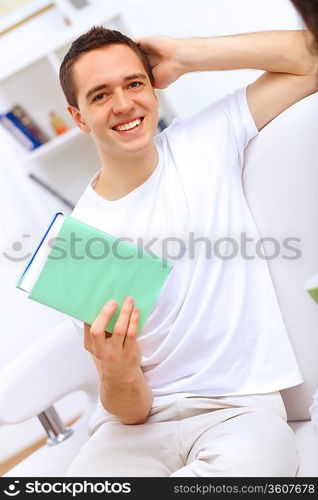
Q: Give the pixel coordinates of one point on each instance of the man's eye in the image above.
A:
(134, 85)
(100, 97)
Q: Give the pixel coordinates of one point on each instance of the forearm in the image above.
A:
(129, 399)
(273, 51)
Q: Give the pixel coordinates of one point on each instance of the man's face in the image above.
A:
(117, 103)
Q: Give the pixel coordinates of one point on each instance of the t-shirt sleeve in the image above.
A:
(222, 129)
(241, 120)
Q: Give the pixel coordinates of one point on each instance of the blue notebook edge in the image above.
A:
(37, 249)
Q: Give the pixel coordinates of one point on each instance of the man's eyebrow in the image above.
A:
(89, 93)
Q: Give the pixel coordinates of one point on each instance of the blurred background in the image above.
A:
(45, 163)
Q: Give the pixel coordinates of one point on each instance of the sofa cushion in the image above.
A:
(307, 448)
(281, 186)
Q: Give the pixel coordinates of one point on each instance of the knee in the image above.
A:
(259, 444)
(265, 449)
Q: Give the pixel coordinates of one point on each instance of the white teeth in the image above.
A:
(128, 126)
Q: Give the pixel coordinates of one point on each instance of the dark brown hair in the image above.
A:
(96, 37)
(308, 9)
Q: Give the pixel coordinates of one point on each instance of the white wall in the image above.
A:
(186, 18)
(24, 208)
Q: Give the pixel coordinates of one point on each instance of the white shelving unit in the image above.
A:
(67, 162)
(54, 144)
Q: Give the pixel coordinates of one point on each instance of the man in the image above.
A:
(196, 392)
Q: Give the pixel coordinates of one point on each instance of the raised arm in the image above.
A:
(285, 56)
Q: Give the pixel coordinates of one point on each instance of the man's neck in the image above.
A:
(120, 177)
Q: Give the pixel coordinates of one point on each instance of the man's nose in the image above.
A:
(122, 102)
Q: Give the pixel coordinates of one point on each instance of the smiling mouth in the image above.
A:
(126, 127)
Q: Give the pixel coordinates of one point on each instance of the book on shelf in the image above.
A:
(29, 123)
(16, 132)
(19, 131)
(77, 268)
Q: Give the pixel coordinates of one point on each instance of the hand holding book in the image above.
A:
(124, 390)
(118, 350)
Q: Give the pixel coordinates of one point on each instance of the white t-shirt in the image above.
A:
(216, 328)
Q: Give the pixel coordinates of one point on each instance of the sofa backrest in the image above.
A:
(281, 186)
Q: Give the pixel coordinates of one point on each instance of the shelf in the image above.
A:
(52, 145)
(28, 55)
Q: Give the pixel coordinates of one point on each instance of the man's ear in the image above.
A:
(78, 120)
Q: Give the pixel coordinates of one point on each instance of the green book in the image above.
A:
(77, 268)
(312, 287)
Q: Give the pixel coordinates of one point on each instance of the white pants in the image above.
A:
(232, 436)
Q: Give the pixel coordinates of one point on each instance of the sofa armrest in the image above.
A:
(52, 367)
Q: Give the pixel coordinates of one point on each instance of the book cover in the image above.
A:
(29, 123)
(15, 131)
(77, 268)
(36, 143)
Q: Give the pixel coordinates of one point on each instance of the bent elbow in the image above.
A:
(134, 421)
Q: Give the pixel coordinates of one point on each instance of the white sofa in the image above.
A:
(281, 186)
